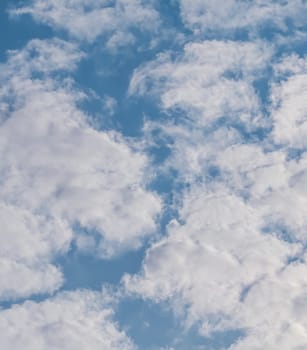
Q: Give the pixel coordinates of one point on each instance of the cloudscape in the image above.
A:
(153, 175)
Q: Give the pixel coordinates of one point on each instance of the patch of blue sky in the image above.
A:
(153, 326)
(88, 271)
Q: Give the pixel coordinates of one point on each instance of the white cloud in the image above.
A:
(65, 168)
(289, 103)
(274, 185)
(88, 20)
(267, 179)
(27, 244)
(77, 320)
(210, 80)
(44, 56)
(215, 16)
(56, 172)
(227, 262)
(274, 312)
(217, 268)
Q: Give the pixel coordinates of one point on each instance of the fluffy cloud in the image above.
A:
(226, 262)
(114, 19)
(219, 270)
(234, 258)
(75, 320)
(58, 172)
(273, 184)
(212, 17)
(210, 80)
(28, 242)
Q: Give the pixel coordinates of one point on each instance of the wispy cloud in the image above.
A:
(115, 19)
(211, 17)
(210, 80)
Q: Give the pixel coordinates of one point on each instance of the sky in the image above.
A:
(153, 175)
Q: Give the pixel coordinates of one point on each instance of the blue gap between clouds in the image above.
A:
(97, 73)
(108, 73)
(17, 32)
(153, 325)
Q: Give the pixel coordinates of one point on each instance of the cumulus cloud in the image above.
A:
(228, 261)
(219, 270)
(28, 242)
(234, 258)
(210, 80)
(72, 320)
(58, 172)
(87, 20)
(214, 17)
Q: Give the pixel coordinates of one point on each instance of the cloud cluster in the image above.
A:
(57, 172)
(88, 20)
(214, 17)
(221, 272)
(234, 259)
(208, 81)
(78, 320)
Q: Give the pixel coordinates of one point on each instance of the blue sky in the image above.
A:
(153, 175)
